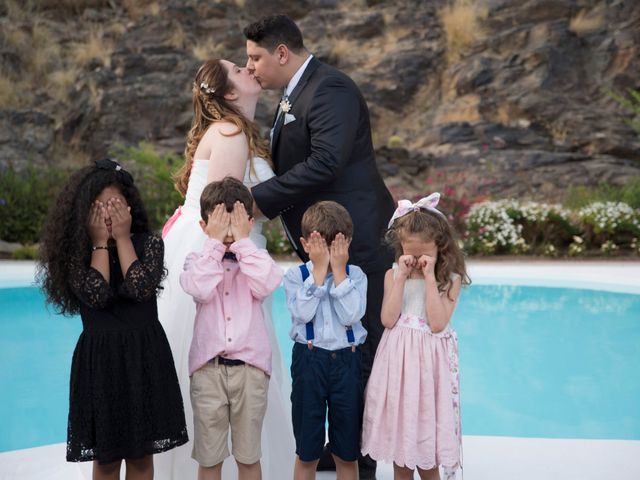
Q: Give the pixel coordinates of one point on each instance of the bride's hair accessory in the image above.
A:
(426, 203)
(204, 86)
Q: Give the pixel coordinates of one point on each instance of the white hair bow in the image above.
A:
(427, 203)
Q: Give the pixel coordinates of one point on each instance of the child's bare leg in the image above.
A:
(140, 468)
(433, 474)
(346, 470)
(402, 473)
(248, 471)
(109, 471)
(210, 473)
(304, 470)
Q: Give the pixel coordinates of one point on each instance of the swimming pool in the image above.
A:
(535, 362)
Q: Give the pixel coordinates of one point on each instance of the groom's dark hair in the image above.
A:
(271, 31)
(228, 191)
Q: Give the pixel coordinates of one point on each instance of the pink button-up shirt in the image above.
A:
(229, 318)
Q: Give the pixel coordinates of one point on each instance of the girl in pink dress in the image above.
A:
(412, 403)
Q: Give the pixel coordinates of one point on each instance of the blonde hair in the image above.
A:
(431, 227)
(209, 106)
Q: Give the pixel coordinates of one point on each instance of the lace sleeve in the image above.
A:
(145, 274)
(90, 287)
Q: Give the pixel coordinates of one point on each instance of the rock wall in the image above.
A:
(523, 111)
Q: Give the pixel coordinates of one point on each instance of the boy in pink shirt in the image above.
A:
(230, 354)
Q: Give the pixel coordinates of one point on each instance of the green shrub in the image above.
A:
(629, 193)
(25, 197)
(25, 252)
(152, 173)
(277, 242)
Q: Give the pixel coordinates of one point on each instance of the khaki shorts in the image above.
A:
(228, 396)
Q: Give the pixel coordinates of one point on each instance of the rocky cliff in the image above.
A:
(518, 107)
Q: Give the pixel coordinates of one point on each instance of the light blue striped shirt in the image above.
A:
(331, 308)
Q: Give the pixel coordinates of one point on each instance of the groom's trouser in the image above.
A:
(372, 323)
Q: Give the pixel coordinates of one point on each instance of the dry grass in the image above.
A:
(136, 9)
(45, 55)
(96, 46)
(340, 49)
(207, 50)
(178, 38)
(10, 92)
(586, 22)
(462, 22)
(19, 10)
(59, 83)
(96, 95)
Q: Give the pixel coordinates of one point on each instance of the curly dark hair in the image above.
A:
(65, 238)
(431, 227)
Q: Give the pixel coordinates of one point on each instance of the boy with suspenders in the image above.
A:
(327, 299)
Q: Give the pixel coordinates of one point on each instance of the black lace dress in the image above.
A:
(125, 400)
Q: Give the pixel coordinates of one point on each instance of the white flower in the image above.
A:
(285, 106)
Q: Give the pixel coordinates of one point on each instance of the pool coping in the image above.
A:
(613, 276)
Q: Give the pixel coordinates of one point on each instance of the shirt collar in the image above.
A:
(297, 76)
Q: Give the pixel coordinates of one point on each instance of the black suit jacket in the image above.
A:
(326, 153)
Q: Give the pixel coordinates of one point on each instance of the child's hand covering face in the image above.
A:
(317, 249)
(339, 252)
(218, 223)
(120, 218)
(240, 222)
(97, 224)
(406, 264)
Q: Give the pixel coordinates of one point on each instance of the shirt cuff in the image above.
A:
(214, 248)
(243, 247)
(341, 290)
(313, 290)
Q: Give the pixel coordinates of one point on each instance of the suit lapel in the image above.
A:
(311, 67)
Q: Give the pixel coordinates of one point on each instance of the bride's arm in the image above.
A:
(229, 152)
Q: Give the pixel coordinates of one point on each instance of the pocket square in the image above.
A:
(288, 118)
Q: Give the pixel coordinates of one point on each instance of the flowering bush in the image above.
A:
(490, 229)
(508, 226)
(543, 224)
(609, 221)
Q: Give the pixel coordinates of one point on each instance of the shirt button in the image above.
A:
(228, 269)
(228, 319)
(229, 339)
(226, 293)
(333, 355)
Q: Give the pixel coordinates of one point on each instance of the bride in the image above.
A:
(223, 141)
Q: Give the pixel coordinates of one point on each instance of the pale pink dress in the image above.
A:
(412, 402)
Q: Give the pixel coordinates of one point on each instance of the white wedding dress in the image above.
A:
(176, 311)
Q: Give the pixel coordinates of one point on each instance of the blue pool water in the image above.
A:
(534, 362)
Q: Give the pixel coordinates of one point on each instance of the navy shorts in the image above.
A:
(326, 380)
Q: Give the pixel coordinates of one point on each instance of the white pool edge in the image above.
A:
(614, 276)
(495, 458)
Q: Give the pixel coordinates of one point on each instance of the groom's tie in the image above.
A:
(285, 98)
(277, 125)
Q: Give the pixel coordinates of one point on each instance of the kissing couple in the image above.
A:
(320, 149)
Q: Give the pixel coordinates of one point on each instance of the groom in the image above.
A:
(322, 150)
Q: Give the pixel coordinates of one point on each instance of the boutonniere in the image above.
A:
(285, 106)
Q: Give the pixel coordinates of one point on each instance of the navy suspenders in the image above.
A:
(309, 325)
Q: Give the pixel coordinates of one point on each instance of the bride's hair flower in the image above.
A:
(204, 86)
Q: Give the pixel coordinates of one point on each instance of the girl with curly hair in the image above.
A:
(412, 404)
(99, 259)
